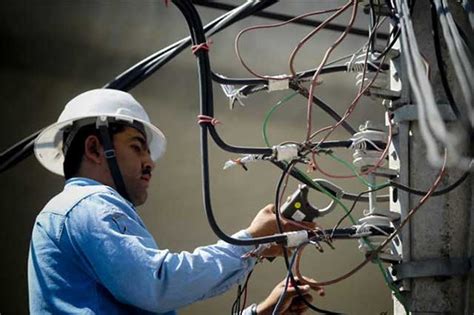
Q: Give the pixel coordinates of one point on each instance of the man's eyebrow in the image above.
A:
(139, 139)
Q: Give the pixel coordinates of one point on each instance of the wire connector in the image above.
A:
(282, 83)
(296, 238)
(286, 152)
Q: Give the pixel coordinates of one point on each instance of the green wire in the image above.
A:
(354, 171)
(281, 102)
(271, 111)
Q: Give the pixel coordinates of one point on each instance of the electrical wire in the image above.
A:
(242, 290)
(443, 191)
(206, 108)
(322, 63)
(278, 197)
(348, 213)
(388, 239)
(267, 26)
(285, 17)
(18, 152)
(460, 58)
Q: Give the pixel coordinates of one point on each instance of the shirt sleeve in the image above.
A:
(119, 252)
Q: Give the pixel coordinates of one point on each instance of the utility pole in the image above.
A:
(436, 271)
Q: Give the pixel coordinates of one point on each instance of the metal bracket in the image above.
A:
(441, 267)
(409, 112)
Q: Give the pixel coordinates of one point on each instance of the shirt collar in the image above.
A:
(84, 181)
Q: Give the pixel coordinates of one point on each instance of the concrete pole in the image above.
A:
(438, 244)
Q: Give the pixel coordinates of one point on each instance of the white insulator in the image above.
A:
(381, 81)
(364, 156)
(372, 242)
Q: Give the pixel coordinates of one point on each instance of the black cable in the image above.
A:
(241, 290)
(19, 155)
(353, 206)
(285, 17)
(142, 70)
(255, 81)
(206, 106)
(287, 169)
(404, 188)
(295, 173)
(396, 31)
(325, 107)
(17, 152)
(437, 192)
(126, 81)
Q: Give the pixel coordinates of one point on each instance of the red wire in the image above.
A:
(323, 62)
(372, 255)
(312, 33)
(267, 26)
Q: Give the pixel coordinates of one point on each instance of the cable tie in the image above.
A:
(205, 46)
(203, 119)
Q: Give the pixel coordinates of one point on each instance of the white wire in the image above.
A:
(461, 63)
(430, 120)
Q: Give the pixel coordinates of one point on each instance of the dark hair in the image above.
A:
(75, 151)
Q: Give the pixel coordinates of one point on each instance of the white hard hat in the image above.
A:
(115, 105)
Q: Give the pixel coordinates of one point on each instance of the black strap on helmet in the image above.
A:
(109, 151)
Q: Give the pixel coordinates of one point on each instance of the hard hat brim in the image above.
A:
(48, 145)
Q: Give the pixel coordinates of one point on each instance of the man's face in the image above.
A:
(136, 165)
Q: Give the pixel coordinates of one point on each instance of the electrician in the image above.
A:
(90, 251)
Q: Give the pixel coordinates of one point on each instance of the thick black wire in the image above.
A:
(353, 207)
(142, 70)
(325, 107)
(126, 81)
(17, 152)
(19, 155)
(404, 188)
(437, 192)
(256, 81)
(285, 254)
(206, 106)
(285, 17)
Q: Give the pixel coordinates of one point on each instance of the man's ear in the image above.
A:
(93, 150)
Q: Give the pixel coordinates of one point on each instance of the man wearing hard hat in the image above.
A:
(90, 252)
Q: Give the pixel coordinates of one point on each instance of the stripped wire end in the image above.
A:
(233, 94)
(243, 161)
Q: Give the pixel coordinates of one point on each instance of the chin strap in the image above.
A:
(109, 151)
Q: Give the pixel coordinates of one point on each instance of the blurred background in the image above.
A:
(53, 50)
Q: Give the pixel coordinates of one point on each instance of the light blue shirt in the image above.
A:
(90, 253)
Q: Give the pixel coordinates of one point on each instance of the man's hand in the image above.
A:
(291, 304)
(265, 224)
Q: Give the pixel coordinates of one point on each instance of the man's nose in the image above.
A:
(149, 163)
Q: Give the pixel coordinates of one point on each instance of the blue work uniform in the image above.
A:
(90, 253)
